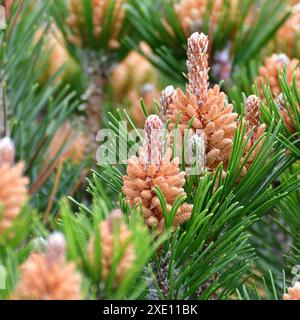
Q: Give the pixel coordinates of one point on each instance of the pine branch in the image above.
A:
(237, 38)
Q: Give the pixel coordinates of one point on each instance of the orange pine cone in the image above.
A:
(206, 108)
(126, 76)
(41, 281)
(130, 84)
(219, 123)
(287, 113)
(269, 75)
(287, 37)
(191, 13)
(13, 193)
(48, 276)
(78, 25)
(109, 245)
(252, 116)
(58, 54)
(293, 292)
(149, 170)
(274, 66)
(186, 106)
(183, 214)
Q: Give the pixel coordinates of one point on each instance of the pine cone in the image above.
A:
(191, 12)
(166, 99)
(127, 77)
(150, 169)
(48, 276)
(183, 214)
(57, 55)
(219, 123)
(109, 246)
(287, 113)
(293, 293)
(252, 116)
(130, 84)
(207, 107)
(187, 106)
(270, 73)
(287, 37)
(78, 26)
(197, 65)
(273, 67)
(13, 193)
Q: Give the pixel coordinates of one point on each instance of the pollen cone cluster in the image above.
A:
(130, 84)
(13, 185)
(69, 144)
(270, 73)
(114, 237)
(153, 169)
(126, 76)
(192, 12)
(205, 108)
(100, 9)
(58, 55)
(252, 116)
(287, 113)
(293, 292)
(288, 36)
(271, 70)
(48, 276)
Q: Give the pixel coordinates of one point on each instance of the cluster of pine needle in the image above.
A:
(207, 203)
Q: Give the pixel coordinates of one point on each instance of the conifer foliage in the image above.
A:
(150, 149)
